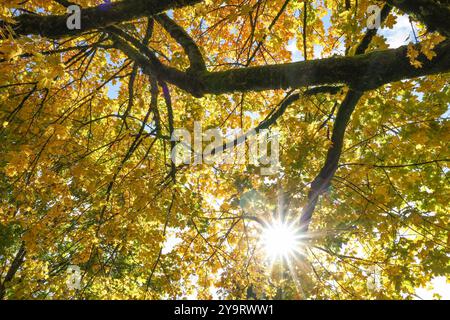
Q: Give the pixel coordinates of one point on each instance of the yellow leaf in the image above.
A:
(412, 54)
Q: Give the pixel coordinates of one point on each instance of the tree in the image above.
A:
(87, 176)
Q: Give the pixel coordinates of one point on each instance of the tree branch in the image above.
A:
(323, 180)
(106, 14)
(363, 72)
(434, 14)
(15, 265)
(183, 38)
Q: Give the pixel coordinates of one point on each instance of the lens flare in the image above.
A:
(281, 240)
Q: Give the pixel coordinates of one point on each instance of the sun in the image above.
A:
(281, 240)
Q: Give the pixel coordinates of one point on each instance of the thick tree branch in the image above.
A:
(323, 180)
(15, 265)
(362, 72)
(326, 174)
(431, 12)
(104, 15)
